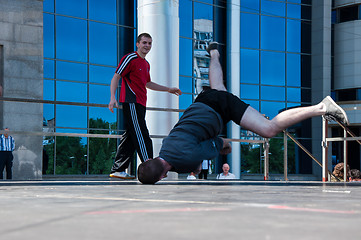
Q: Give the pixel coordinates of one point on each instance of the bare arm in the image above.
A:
(156, 87)
(113, 89)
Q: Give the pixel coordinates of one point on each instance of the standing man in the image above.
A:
(134, 71)
(7, 146)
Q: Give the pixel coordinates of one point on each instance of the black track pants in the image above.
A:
(135, 138)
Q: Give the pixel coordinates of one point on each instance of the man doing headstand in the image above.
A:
(195, 136)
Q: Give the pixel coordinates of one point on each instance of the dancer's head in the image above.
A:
(151, 171)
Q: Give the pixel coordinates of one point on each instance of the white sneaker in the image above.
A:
(334, 111)
(122, 175)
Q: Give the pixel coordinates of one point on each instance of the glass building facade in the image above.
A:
(85, 39)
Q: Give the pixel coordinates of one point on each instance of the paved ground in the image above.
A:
(114, 209)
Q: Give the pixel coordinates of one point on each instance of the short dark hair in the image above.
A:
(355, 174)
(139, 38)
(150, 171)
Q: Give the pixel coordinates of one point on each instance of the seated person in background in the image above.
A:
(338, 171)
(355, 175)
(191, 176)
(226, 174)
(195, 136)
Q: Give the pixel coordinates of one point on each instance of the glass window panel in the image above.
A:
(71, 39)
(249, 91)
(203, 11)
(71, 92)
(249, 66)
(48, 92)
(293, 36)
(294, 70)
(273, 8)
(99, 94)
(272, 33)
(185, 57)
(249, 30)
(292, 105)
(71, 71)
(250, 6)
(48, 35)
(76, 8)
(186, 85)
(48, 5)
(49, 69)
(293, 11)
(294, 94)
(185, 100)
(71, 116)
(271, 109)
(102, 113)
(48, 112)
(206, 1)
(273, 93)
(104, 11)
(185, 18)
(99, 74)
(102, 44)
(306, 70)
(254, 104)
(101, 155)
(273, 68)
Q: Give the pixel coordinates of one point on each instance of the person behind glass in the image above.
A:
(205, 168)
(196, 135)
(7, 146)
(133, 69)
(192, 176)
(226, 174)
(355, 175)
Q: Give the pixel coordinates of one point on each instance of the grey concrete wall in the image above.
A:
(321, 69)
(21, 38)
(343, 3)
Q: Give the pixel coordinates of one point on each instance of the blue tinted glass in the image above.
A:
(186, 84)
(294, 94)
(99, 94)
(293, 36)
(203, 11)
(294, 70)
(48, 35)
(48, 92)
(271, 109)
(206, 1)
(272, 33)
(48, 68)
(273, 68)
(249, 30)
(98, 74)
(102, 113)
(185, 100)
(76, 8)
(185, 57)
(249, 66)
(48, 5)
(48, 112)
(273, 8)
(254, 104)
(250, 5)
(71, 116)
(249, 91)
(273, 93)
(71, 71)
(71, 39)
(71, 92)
(102, 43)
(104, 11)
(185, 18)
(294, 11)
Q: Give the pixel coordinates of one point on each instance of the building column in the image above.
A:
(321, 68)
(160, 19)
(233, 78)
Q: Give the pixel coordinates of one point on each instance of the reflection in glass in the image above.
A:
(99, 94)
(273, 8)
(294, 11)
(48, 92)
(273, 93)
(49, 69)
(249, 30)
(102, 113)
(71, 39)
(71, 116)
(294, 94)
(185, 18)
(272, 33)
(71, 92)
(73, 8)
(254, 104)
(99, 74)
(203, 11)
(104, 11)
(48, 6)
(250, 6)
(294, 36)
(271, 109)
(294, 70)
(71, 71)
(48, 35)
(273, 68)
(249, 91)
(185, 57)
(102, 44)
(249, 66)
(48, 112)
(185, 100)
(186, 84)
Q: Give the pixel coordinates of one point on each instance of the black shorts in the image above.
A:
(229, 106)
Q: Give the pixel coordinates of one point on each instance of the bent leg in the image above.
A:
(257, 123)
